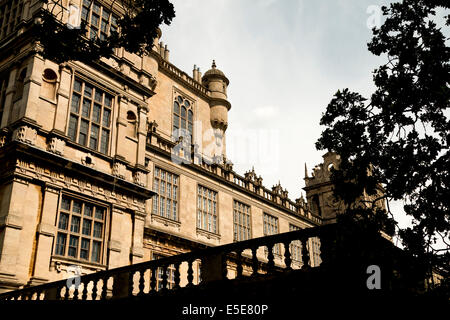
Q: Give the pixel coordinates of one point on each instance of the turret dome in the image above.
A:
(214, 72)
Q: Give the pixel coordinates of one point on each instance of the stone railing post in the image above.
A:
(121, 286)
(212, 268)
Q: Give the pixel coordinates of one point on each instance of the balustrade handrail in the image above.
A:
(237, 247)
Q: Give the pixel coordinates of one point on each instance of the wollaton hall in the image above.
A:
(95, 173)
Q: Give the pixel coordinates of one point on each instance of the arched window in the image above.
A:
(131, 124)
(183, 117)
(20, 84)
(48, 87)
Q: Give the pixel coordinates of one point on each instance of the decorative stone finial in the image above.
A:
(306, 171)
(213, 64)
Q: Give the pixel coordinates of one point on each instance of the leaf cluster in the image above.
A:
(400, 137)
(138, 23)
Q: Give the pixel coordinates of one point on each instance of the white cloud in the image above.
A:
(285, 60)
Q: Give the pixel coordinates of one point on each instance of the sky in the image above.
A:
(285, 59)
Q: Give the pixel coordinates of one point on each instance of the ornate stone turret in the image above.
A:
(319, 188)
(251, 176)
(216, 82)
(278, 189)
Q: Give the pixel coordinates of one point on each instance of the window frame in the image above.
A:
(276, 248)
(170, 273)
(90, 118)
(10, 21)
(176, 94)
(156, 199)
(99, 30)
(80, 234)
(250, 229)
(295, 246)
(200, 222)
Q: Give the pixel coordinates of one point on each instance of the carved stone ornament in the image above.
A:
(25, 134)
(88, 160)
(152, 82)
(277, 189)
(139, 178)
(251, 176)
(57, 146)
(119, 170)
(227, 164)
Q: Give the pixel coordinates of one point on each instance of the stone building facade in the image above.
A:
(117, 161)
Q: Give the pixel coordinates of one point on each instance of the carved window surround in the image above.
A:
(167, 222)
(207, 234)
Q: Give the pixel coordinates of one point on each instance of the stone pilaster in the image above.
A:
(137, 249)
(115, 250)
(32, 88)
(11, 224)
(121, 127)
(142, 136)
(46, 232)
(62, 98)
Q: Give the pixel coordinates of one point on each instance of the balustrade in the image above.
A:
(131, 281)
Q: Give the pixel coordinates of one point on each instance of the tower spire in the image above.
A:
(306, 171)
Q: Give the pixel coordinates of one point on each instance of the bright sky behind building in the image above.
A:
(285, 59)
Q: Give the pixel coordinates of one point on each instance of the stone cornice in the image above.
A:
(181, 76)
(18, 150)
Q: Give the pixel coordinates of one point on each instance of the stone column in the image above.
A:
(46, 232)
(115, 249)
(11, 224)
(137, 250)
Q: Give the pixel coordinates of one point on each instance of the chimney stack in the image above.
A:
(166, 53)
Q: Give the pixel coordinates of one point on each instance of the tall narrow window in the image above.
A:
(165, 203)
(241, 221)
(90, 116)
(183, 117)
(270, 226)
(295, 246)
(81, 228)
(206, 209)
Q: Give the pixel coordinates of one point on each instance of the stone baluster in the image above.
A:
(305, 253)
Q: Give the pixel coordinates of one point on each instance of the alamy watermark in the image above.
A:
(374, 280)
(374, 19)
(259, 147)
(74, 279)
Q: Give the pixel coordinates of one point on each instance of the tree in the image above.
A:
(400, 137)
(137, 28)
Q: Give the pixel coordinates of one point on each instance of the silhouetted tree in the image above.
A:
(137, 27)
(400, 137)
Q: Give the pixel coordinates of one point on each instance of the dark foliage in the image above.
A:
(400, 137)
(137, 29)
